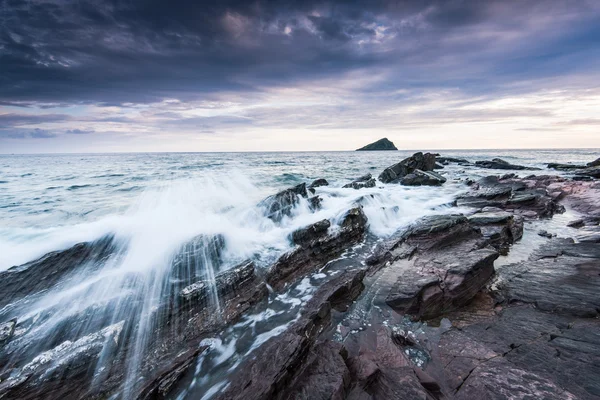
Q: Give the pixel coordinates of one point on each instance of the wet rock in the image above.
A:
(422, 178)
(534, 197)
(595, 163)
(546, 234)
(313, 253)
(225, 283)
(550, 356)
(318, 183)
(6, 331)
(366, 181)
(435, 286)
(448, 160)
(282, 203)
(578, 223)
(311, 233)
(591, 172)
(47, 271)
(293, 364)
(562, 277)
(498, 163)
(499, 228)
(423, 162)
(189, 262)
(68, 361)
(381, 144)
(565, 167)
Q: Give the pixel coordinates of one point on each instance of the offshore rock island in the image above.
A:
(439, 310)
(381, 144)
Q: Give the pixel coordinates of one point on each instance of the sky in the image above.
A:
(240, 75)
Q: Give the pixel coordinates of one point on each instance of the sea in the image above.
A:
(153, 203)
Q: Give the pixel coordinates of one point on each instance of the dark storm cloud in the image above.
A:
(114, 52)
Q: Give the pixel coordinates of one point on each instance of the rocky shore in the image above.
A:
(428, 313)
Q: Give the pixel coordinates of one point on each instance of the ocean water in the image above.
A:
(154, 203)
(50, 202)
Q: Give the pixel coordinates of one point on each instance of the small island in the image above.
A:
(381, 144)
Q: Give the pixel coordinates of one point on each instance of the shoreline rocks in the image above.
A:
(418, 161)
(498, 163)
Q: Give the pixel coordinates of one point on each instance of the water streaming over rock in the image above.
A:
(150, 250)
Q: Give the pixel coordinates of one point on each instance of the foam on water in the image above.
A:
(205, 199)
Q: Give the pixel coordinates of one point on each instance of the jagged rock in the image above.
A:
(226, 282)
(45, 272)
(432, 287)
(591, 172)
(422, 178)
(527, 197)
(292, 365)
(366, 181)
(189, 262)
(311, 233)
(550, 356)
(546, 234)
(565, 167)
(595, 163)
(498, 163)
(381, 144)
(6, 331)
(447, 160)
(562, 277)
(67, 361)
(279, 205)
(318, 183)
(311, 254)
(499, 228)
(423, 162)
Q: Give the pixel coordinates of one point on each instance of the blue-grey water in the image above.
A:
(154, 203)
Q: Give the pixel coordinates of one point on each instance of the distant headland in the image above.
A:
(381, 144)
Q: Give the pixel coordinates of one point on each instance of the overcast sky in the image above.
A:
(151, 75)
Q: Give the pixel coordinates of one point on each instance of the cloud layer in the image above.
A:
(121, 76)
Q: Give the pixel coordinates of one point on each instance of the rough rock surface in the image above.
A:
(498, 163)
(47, 271)
(532, 197)
(423, 162)
(500, 228)
(281, 204)
(422, 178)
(565, 167)
(381, 144)
(366, 181)
(316, 252)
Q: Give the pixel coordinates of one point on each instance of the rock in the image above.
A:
(527, 197)
(422, 178)
(366, 181)
(565, 167)
(595, 163)
(226, 282)
(545, 234)
(447, 160)
(423, 162)
(591, 172)
(45, 272)
(578, 223)
(313, 253)
(439, 265)
(433, 287)
(292, 364)
(6, 331)
(279, 205)
(498, 163)
(313, 232)
(318, 183)
(68, 361)
(499, 228)
(381, 144)
(562, 277)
